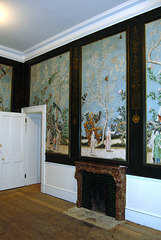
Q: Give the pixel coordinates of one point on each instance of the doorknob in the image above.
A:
(0, 145)
(3, 159)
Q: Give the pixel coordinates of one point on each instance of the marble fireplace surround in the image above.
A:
(117, 172)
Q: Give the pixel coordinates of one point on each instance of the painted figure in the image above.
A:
(49, 135)
(57, 142)
(54, 143)
(93, 143)
(157, 147)
(151, 144)
(108, 139)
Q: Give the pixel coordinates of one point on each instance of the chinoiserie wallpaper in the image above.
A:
(153, 90)
(103, 106)
(5, 87)
(49, 84)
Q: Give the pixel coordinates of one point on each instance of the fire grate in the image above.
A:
(99, 193)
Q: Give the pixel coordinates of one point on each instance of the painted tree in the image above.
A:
(53, 91)
(153, 60)
(100, 67)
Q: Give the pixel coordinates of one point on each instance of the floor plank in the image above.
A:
(28, 214)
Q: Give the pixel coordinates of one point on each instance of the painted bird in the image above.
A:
(106, 78)
(56, 106)
(120, 37)
(1, 68)
(97, 117)
(84, 97)
(51, 79)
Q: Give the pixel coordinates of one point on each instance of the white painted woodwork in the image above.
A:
(33, 148)
(12, 150)
(40, 109)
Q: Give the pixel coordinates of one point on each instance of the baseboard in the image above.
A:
(143, 218)
(32, 180)
(60, 193)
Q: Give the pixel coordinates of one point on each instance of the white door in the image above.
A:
(12, 150)
(33, 148)
(33, 112)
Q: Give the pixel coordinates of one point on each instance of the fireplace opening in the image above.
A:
(99, 193)
(98, 197)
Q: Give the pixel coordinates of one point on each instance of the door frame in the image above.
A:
(42, 110)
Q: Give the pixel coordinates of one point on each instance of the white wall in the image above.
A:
(60, 181)
(143, 201)
(143, 195)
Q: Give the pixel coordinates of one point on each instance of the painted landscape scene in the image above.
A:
(103, 110)
(50, 85)
(153, 91)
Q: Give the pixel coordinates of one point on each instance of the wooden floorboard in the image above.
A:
(28, 214)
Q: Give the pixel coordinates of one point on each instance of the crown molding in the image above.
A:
(11, 54)
(118, 14)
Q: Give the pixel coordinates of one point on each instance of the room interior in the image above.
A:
(35, 35)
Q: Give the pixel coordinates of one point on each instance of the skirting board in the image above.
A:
(60, 193)
(33, 180)
(143, 218)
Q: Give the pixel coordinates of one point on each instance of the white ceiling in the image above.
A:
(32, 27)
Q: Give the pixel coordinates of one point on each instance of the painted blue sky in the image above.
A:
(103, 76)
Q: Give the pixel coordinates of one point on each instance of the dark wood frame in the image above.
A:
(136, 93)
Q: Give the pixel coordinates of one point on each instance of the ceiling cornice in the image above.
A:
(11, 54)
(118, 14)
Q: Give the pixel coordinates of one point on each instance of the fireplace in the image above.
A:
(98, 197)
(102, 188)
(99, 193)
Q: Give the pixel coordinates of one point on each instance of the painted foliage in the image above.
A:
(153, 91)
(50, 85)
(5, 87)
(103, 128)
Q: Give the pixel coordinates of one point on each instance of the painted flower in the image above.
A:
(151, 66)
(120, 92)
(119, 117)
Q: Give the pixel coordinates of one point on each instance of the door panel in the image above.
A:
(33, 143)
(12, 150)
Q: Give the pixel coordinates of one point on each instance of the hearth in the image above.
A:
(102, 187)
